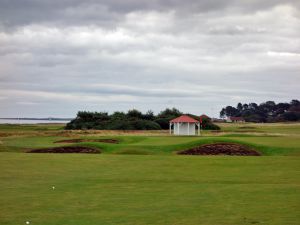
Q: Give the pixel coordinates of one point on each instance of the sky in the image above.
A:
(61, 56)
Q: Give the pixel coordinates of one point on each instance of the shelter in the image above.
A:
(184, 125)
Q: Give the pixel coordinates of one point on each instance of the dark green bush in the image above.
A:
(145, 125)
(163, 122)
(208, 125)
(132, 120)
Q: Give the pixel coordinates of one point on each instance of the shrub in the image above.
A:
(163, 122)
(132, 120)
(208, 125)
(145, 125)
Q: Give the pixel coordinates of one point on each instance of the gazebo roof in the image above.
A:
(184, 119)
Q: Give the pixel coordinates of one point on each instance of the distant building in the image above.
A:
(184, 125)
(217, 120)
(235, 119)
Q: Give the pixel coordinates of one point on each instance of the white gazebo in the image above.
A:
(184, 125)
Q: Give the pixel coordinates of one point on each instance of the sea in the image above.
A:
(28, 121)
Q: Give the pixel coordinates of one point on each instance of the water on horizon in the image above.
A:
(20, 121)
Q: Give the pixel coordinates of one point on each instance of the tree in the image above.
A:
(118, 116)
(267, 111)
(245, 107)
(223, 113)
(167, 113)
(239, 107)
(295, 102)
(231, 111)
(281, 108)
(291, 116)
(135, 114)
(163, 122)
(149, 115)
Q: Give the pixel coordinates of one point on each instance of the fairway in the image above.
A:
(148, 189)
(141, 180)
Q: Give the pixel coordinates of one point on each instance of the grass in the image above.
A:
(265, 129)
(267, 145)
(141, 181)
(115, 189)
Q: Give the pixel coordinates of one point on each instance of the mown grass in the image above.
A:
(141, 181)
(128, 189)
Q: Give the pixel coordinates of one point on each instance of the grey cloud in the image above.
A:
(58, 57)
(108, 12)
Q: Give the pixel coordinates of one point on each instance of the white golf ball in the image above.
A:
(27, 222)
(53, 187)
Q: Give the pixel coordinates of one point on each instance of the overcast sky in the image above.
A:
(61, 56)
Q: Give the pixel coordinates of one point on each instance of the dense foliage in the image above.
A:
(265, 112)
(132, 120)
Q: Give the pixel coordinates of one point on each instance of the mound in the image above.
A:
(111, 141)
(66, 149)
(221, 149)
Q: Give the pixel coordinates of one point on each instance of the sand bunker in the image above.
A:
(221, 149)
(111, 141)
(66, 149)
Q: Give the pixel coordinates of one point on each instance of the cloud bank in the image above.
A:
(58, 57)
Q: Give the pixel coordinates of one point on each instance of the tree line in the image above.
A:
(265, 112)
(131, 120)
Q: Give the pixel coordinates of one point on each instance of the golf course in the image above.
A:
(138, 177)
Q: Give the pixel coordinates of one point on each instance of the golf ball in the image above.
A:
(27, 222)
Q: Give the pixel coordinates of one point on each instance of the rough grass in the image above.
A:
(262, 129)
